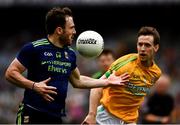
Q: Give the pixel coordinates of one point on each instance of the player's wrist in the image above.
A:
(106, 82)
(159, 119)
(33, 86)
(92, 114)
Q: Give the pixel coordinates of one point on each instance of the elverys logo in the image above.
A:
(87, 41)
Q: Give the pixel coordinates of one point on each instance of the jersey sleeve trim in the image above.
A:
(119, 65)
(122, 63)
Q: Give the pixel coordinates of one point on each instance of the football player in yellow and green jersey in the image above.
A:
(123, 101)
(120, 104)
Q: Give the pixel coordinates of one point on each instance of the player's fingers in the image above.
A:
(49, 98)
(125, 81)
(51, 92)
(125, 76)
(47, 80)
(50, 87)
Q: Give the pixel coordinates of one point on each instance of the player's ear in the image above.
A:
(156, 47)
(59, 30)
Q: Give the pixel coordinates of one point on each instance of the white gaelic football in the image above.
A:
(90, 44)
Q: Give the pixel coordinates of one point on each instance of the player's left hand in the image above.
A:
(118, 80)
(90, 119)
(44, 90)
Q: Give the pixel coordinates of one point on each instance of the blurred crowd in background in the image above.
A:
(117, 37)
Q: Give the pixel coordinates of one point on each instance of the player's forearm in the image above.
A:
(154, 118)
(87, 82)
(95, 96)
(151, 117)
(18, 79)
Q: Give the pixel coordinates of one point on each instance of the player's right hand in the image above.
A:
(44, 90)
(89, 120)
(165, 120)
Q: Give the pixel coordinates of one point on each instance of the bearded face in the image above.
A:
(69, 31)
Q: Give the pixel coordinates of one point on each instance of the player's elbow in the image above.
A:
(9, 74)
(77, 83)
(74, 85)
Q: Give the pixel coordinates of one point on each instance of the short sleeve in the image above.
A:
(25, 55)
(74, 65)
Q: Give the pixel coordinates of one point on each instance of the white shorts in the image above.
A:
(103, 117)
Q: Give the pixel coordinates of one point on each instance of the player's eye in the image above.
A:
(148, 45)
(140, 44)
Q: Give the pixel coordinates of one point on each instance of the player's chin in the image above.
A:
(143, 58)
(69, 42)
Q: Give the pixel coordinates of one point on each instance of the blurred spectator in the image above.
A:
(104, 61)
(160, 104)
(76, 105)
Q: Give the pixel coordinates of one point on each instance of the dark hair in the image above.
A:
(56, 17)
(107, 52)
(146, 30)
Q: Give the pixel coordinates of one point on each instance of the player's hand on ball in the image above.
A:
(44, 90)
(118, 80)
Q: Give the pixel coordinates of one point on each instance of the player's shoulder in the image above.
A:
(35, 44)
(71, 50)
(135, 55)
(127, 57)
(27, 46)
(157, 70)
(123, 61)
(40, 42)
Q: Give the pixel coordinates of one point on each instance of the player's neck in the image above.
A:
(147, 63)
(55, 41)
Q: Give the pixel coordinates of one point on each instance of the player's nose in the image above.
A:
(74, 31)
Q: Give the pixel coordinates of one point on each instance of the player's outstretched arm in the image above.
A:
(86, 82)
(14, 75)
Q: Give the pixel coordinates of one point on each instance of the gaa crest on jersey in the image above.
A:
(48, 54)
(58, 55)
(66, 55)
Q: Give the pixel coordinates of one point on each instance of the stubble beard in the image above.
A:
(65, 40)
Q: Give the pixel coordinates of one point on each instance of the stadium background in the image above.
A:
(117, 21)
